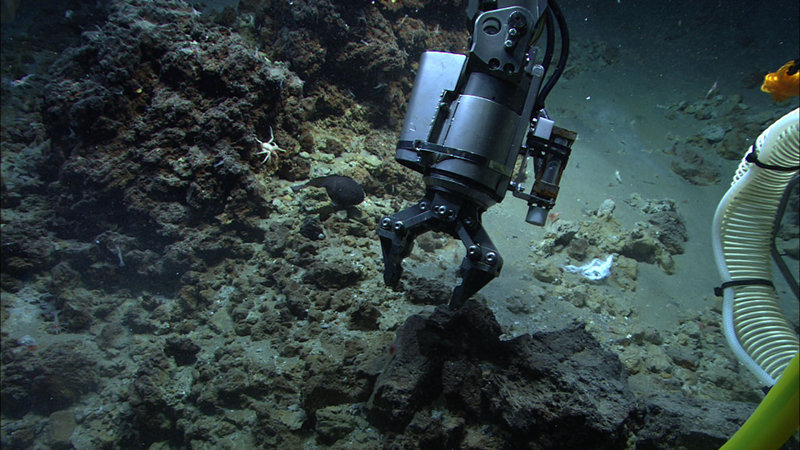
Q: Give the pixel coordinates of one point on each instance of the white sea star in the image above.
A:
(268, 147)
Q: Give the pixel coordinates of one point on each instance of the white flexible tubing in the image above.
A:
(727, 303)
(746, 214)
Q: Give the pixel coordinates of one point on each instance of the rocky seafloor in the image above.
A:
(164, 287)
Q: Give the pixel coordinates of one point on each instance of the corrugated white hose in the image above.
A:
(754, 325)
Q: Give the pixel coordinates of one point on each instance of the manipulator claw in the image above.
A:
(446, 213)
(397, 234)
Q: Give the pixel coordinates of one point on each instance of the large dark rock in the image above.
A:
(182, 349)
(450, 374)
(156, 412)
(329, 384)
(671, 230)
(46, 380)
(408, 381)
(670, 420)
(335, 274)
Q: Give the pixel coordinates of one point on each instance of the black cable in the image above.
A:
(785, 271)
(549, 41)
(562, 59)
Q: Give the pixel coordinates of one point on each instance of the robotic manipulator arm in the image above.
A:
(469, 119)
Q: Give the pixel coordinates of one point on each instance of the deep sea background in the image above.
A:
(164, 287)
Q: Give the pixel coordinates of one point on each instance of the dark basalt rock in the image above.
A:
(556, 389)
(182, 349)
(46, 380)
(335, 274)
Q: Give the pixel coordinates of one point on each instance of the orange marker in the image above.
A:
(784, 83)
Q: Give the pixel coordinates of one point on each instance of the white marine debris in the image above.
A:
(596, 269)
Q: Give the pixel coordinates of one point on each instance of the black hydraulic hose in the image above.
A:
(549, 41)
(562, 59)
(785, 271)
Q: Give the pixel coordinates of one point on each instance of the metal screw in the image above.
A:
(386, 223)
(423, 206)
(441, 209)
(399, 226)
(491, 257)
(473, 252)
